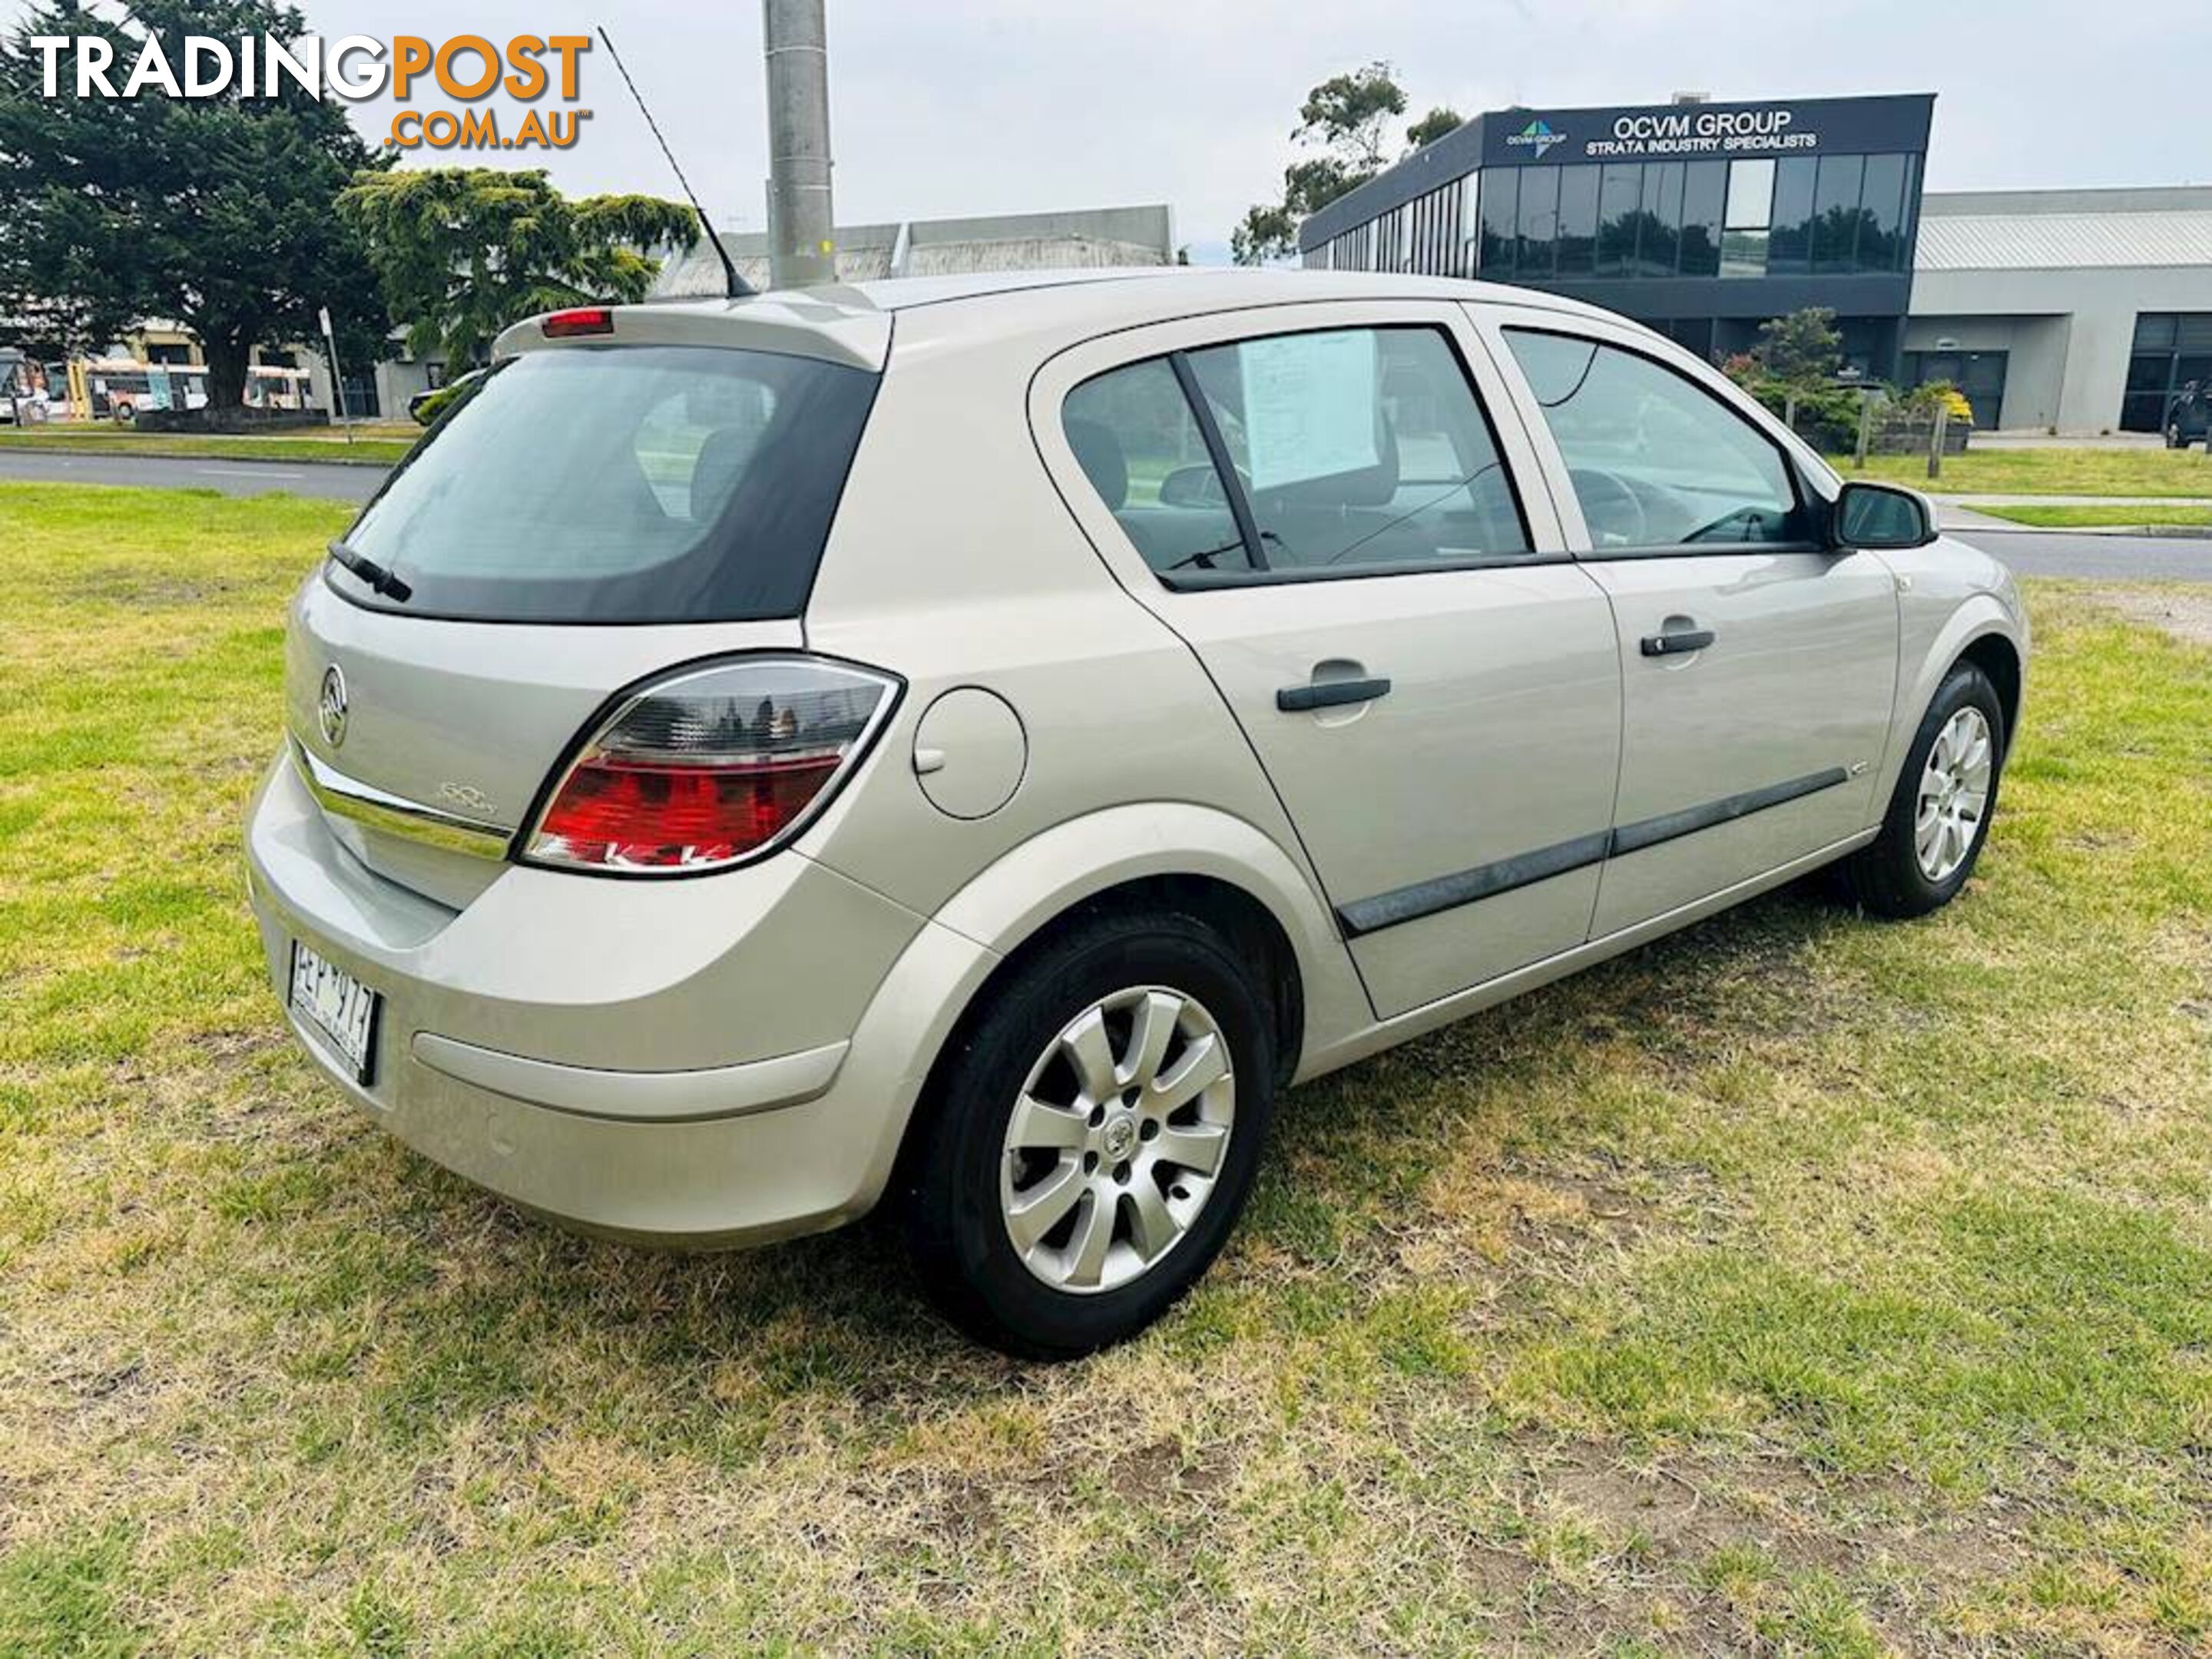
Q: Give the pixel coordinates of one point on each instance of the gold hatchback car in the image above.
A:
(973, 742)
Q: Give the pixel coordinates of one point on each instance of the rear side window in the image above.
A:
(1349, 451)
(1140, 446)
(621, 484)
(1656, 461)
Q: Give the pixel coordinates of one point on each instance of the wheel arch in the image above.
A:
(1998, 657)
(1161, 857)
(1980, 631)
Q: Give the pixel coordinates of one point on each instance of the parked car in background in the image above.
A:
(972, 743)
(2189, 416)
(425, 406)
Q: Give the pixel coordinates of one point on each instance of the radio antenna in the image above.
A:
(736, 286)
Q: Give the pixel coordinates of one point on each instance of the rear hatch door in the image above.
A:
(583, 518)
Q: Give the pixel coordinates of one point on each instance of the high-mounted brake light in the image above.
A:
(711, 767)
(588, 319)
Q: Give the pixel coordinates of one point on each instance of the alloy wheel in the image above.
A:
(1955, 793)
(1117, 1139)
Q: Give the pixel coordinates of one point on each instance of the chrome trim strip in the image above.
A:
(365, 803)
(759, 1085)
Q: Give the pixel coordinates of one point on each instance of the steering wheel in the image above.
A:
(1611, 507)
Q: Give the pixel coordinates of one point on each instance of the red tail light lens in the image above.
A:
(585, 319)
(711, 767)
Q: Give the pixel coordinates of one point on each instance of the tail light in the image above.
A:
(711, 767)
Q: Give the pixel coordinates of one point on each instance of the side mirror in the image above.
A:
(1193, 486)
(1881, 516)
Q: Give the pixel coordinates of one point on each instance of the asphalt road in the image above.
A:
(341, 483)
(2102, 558)
(2030, 552)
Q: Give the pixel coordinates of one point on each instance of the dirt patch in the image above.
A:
(2184, 614)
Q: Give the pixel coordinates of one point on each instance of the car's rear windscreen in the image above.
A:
(621, 484)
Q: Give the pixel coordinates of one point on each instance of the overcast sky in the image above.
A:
(951, 107)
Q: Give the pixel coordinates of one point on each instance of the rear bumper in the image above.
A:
(711, 1062)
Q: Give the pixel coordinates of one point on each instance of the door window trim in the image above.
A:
(1808, 502)
(1262, 575)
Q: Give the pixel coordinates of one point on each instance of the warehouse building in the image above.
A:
(2076, 311)
(1071, 238)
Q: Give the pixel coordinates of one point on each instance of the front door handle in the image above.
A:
(1676, 642)
(1329, 694)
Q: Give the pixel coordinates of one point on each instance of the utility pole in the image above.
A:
(802, 247)
(338, 374)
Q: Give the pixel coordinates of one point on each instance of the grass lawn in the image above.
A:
(2060, 517)
(2047, 472)
(1800, 1285)
(381, 445)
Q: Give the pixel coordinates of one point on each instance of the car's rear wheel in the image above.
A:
(1093, 1136)
(1938, 815)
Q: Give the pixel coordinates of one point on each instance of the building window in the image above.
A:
(1883, 206)
(1470, 226)
(2173, 351)
(1836, 213)
(1659, 244)
(1790, 235)
(1705, 190)
(1536, 246)
(1620, 200)
(1501, 214)
(1578, 192)
(1744, 228)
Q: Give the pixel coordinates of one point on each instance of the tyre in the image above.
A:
(1939, 816)
(2174, 440)
(1091, 1139)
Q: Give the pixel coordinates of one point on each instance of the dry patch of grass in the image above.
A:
(2184, 610)
(1798, 1285)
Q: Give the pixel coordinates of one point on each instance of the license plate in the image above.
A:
(338, 1005)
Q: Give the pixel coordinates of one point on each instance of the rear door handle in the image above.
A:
(1329, 694)
(1674, 644)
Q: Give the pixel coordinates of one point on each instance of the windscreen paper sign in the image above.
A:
(1308, 406)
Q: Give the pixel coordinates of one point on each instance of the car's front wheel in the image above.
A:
(1938, 815)
(1092, 1137)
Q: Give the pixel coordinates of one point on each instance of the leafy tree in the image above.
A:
(1802, 350)
(1349, 114)
(463, 252)
(1344, 125)
(1434, 125)
(215, 212)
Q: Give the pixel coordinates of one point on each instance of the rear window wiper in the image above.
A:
(380, 580)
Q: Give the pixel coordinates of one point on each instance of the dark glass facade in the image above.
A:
(1701, 219)
(2172, 350)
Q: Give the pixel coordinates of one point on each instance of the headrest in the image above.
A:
(714, 475)
(1099, 452)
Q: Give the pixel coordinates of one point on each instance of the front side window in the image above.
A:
(1656, 460)
(1352, 450)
